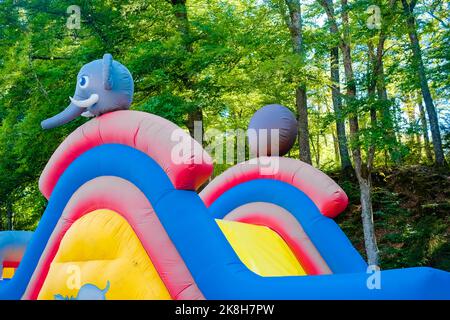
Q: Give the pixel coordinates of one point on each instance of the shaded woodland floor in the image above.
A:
(411, 215)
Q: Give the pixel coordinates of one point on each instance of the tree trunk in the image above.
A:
(419, 145)
(9, 216)
(303, 131)
(363, 172)
(316, 149)
(379, 84)
(195, 118)
(410, 111)
(424, 127)
(337, 157)
(295, 29)
(180, 12)
(370, 240)
(337, 106)
(364, 182)
(360, 170)
(418, 63)
(388, 123)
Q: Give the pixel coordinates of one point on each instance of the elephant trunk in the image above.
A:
(68, 114)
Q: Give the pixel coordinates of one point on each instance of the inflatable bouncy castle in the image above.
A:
(124, 219)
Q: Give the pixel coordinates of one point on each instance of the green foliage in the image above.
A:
(410, 214)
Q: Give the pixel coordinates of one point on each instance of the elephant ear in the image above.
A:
(107, 71)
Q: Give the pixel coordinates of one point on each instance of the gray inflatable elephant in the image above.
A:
(103, 86)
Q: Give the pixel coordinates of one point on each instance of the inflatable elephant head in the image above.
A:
(103, 86)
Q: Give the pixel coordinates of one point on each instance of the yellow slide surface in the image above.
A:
(98, 248)
(261, 249)
(101, 248)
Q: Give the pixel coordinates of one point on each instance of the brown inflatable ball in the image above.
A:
(272, 116)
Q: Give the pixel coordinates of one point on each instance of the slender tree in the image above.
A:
(180, 11)
(344, 156)
(378, 82)
(9, 215)
(296, 30)
(408, 9)
(362, 170)
(424, 129)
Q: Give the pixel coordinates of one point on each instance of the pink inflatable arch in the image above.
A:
(181, 157)
(321, 189)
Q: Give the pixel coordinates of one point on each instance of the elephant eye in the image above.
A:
(84, 82)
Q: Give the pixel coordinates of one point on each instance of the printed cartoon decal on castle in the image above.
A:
(87, 292)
